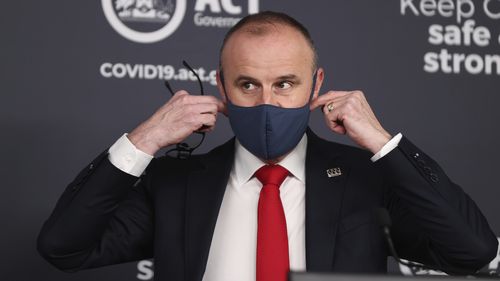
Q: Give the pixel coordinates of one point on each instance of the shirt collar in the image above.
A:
(246, 164)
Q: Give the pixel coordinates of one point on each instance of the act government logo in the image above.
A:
(144, 21)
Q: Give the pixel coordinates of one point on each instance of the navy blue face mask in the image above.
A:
(268, 131)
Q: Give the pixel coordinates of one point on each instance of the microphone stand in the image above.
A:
(384, 221)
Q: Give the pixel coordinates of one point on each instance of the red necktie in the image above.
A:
(272, 237)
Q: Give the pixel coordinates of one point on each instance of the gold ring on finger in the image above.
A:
(330, 107)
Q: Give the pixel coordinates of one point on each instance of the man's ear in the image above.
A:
(320, 76)
(220, 86)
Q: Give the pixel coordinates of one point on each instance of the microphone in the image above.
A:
(384, 220)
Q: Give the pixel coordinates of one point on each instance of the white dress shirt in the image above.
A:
(232, 254)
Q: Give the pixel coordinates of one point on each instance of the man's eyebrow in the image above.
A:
(291, 77)
(244, 78)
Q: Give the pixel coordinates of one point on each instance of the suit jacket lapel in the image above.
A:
(205, 191)
(323, 203)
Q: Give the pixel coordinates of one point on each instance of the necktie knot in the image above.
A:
(271, 175)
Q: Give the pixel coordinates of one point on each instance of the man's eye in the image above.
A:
(284, 85)
(248, 86)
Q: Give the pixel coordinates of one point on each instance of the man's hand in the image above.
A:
(349, 113)
(174, 121)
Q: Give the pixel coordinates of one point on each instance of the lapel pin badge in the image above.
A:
(334, 172)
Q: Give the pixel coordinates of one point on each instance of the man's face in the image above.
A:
(275, 68)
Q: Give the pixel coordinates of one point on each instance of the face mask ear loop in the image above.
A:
(314, 85)
(221, 76)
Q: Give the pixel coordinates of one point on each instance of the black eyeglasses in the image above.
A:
(183, 149)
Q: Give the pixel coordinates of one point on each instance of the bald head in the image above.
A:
(266, 24)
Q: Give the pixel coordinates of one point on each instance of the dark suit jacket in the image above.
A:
(106, 216)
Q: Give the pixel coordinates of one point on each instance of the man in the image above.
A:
(221, 216)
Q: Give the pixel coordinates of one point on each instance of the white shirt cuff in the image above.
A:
(125, 156)
(388, 147)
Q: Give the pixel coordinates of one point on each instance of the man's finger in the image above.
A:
(202, 99)
(332, 113)
(180, 93)
(333, 108)
(325, 98)
(206, 121)
(338, 129)
(208, 108)
(186, 98)
(221, 107)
